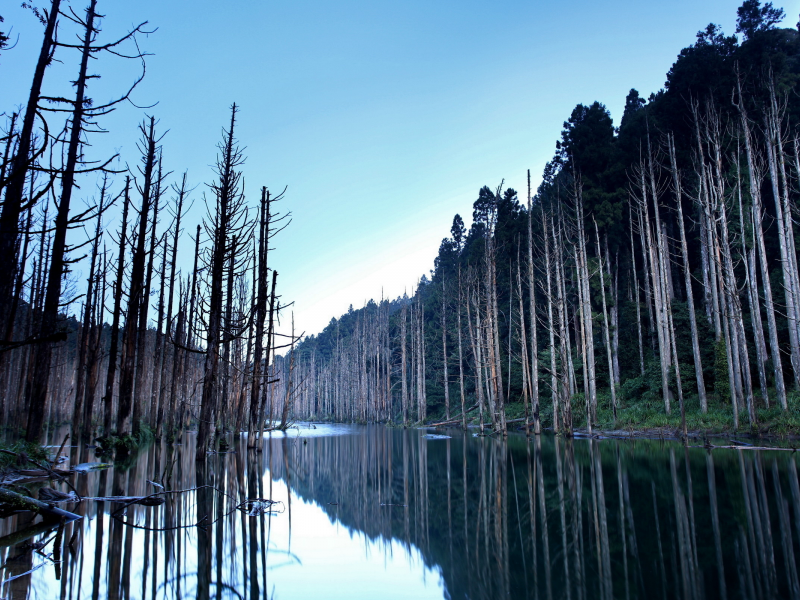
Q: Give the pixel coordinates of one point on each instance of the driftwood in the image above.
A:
(742, 447)
(454, 420)
(152, 500)
(16, 501)
(12, 539)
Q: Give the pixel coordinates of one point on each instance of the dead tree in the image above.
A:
(19, 166)
(228, 222)
(83, 117)
(136, 298)
(108, 397)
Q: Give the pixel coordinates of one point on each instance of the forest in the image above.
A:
(136, 349)
(650, 281)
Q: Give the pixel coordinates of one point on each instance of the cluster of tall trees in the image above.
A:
(130, 343)
(655, 263)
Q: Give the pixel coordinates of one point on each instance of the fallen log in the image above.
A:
(16, 501)
(454, 420)
(152, 500)
(12, 539)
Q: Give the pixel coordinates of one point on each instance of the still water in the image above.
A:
(373, 512)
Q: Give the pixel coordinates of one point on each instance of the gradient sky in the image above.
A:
(384, 119)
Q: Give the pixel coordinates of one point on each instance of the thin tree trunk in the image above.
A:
(755, 177)
(43, 352)
(108, 397)
(698, 365)
(534, 351)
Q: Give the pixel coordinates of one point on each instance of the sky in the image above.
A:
(382, 119)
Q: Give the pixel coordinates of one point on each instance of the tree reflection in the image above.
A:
(531, 518)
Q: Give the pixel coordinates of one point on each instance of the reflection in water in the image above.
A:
(391, 513)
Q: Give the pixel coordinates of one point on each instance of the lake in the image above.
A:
(345, 511)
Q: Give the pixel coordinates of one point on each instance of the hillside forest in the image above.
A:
(650, 279)
(650, 276)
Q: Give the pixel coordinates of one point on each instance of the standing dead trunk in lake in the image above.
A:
(158, 355)
(270, 348)
(82, 419)
(108, 397)
(170, 349)
(228, 204)
(19, 167)
(260, 314)
(43, 352)
(141, 401)
(136, 290)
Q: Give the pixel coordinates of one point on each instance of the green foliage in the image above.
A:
(753, 18)
(124, 445)
(24, 450)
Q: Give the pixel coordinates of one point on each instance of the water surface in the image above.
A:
(374, 512)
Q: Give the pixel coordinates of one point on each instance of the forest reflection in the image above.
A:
(470, 517)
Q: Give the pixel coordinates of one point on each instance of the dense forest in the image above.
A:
(653, 271)
(134, 349)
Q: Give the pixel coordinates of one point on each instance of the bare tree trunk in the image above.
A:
(108, 398)
(791, 286)
(526, 387)
(261, 293)
(269, 348)
(225, 191)
(158, 356)
(404, 362)
(550, 323)
(494, 327)
(654, 261)
(698, 365)
(534, 351)
(43, 352)
(136, 293)
(81, 418)
(140, 400)
(605, 326)
(15, 189)
(460, 355)
(162, 392)
(708, 229)
(475, 342)
(755, 176)
(444, 353)
(583, 280)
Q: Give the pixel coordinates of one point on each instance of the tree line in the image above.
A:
(654, 266)
(134, 347)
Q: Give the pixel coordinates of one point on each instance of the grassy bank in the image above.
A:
(648, 415)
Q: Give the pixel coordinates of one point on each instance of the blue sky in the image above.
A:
(384, 119)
